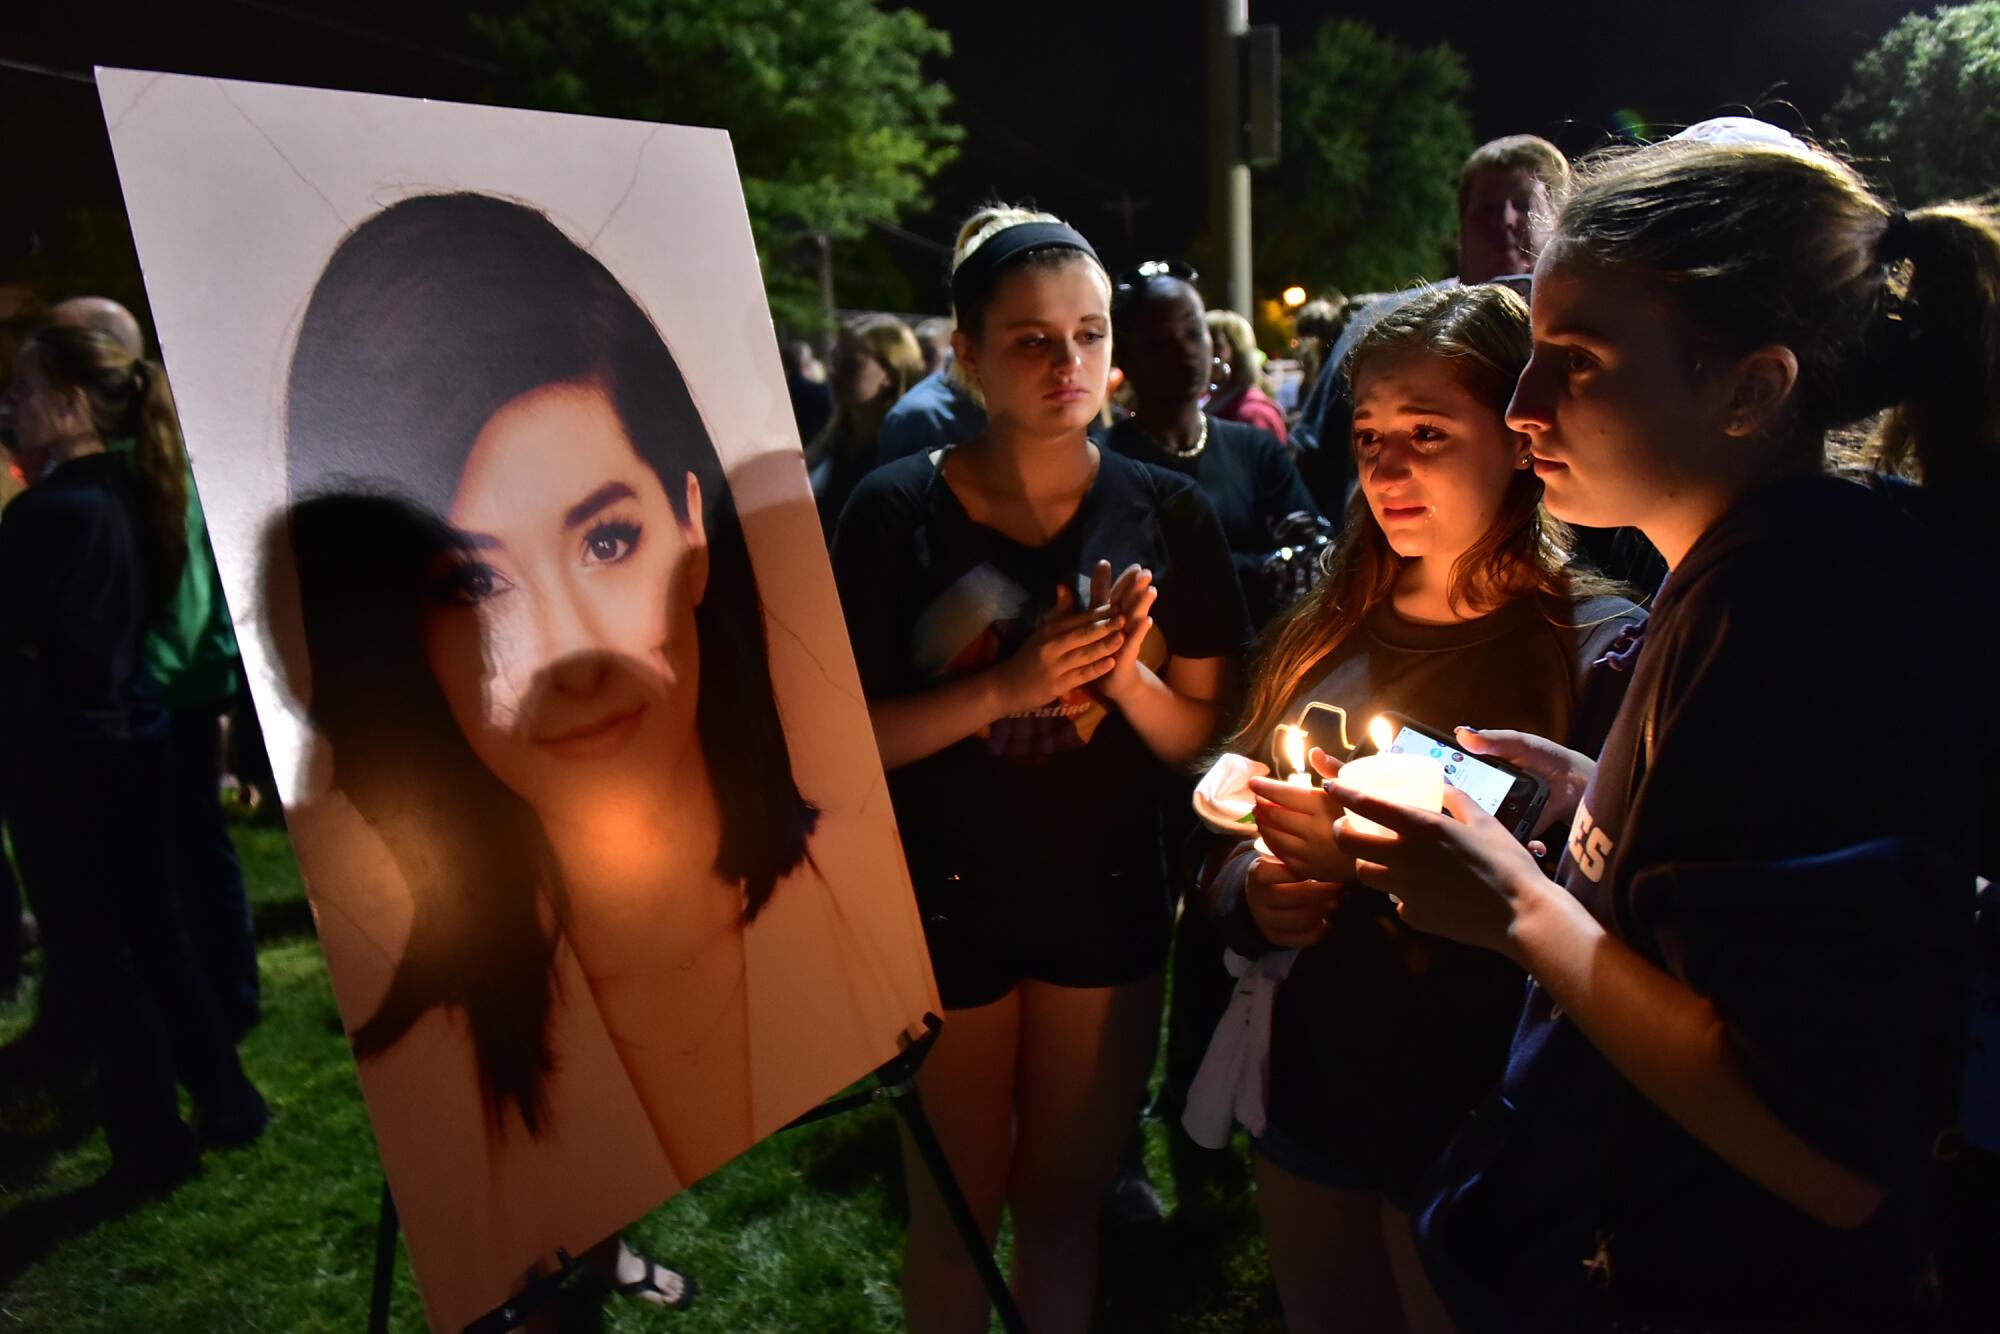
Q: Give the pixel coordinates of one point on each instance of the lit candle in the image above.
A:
(1288, 748)
(1409, 780)
(1292, 747)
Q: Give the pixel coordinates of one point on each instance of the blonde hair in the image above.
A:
(129, 397)
(1762, 243)
(892, 345)
(1480, 336)
(1516, 152)
(1246, 368)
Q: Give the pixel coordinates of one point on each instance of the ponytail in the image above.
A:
(130, 399)
(159, 459)
(1892, 315)
(1944, 421)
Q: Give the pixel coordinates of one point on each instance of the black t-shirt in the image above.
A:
(1055, 801)
(1249, 478)
(74, 564)
(1784, 818)
(1383, 1037)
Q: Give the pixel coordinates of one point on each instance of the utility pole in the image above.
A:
(825, 245)
(1127, 208)
(1229, 173)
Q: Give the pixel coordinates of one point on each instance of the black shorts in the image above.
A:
(986, 936)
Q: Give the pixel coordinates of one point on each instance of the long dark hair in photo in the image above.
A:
(429, 317)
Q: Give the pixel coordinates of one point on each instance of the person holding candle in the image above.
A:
(1449, 594)
(1029, 709)
(1750, 978)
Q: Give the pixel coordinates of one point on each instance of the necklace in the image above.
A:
(1186, 451)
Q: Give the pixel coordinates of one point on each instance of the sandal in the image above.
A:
(677, 1294)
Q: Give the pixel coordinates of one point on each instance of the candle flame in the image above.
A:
(1381, 732)
(1292, 745)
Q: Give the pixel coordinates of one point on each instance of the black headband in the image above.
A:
(983, 265)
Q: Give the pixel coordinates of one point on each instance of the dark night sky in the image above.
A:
(1072, 106)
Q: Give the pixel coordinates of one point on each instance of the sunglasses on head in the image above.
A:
(1139, 275)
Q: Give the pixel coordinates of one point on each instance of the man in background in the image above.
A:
(1505, 208)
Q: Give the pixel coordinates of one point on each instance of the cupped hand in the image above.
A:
(1458, 874)
(1296, 824)
(1289, 912)
(1567, 772)
(1068, 649)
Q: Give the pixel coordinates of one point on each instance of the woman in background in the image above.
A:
(875, 361)
(1244, 394)
(88, 557)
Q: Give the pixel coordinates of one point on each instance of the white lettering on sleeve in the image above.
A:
(1589, 846)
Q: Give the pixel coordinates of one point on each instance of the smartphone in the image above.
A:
(1512, 796)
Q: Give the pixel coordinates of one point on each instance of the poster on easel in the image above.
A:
(486, 412)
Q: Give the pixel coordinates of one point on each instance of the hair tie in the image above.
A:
(1894, 243)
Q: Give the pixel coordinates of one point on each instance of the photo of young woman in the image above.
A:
(508, 503)
(536, 655)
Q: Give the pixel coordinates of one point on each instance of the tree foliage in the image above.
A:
(1925, 102)
(827, 105)
(1366, 196)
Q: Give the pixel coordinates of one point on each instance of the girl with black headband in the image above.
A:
(1029, 707)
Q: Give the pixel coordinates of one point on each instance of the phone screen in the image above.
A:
(1482, 782)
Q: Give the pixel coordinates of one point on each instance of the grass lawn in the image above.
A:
(801, 1233)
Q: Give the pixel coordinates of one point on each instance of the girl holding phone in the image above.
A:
(1450, 594)
(1749, 978)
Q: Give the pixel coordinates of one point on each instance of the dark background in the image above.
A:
(1075, 106)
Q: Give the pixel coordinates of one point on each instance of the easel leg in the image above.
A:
(909, 1105)
(385, 1265)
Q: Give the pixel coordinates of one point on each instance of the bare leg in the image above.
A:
(1327, 1255)
(1423, 1312)
(967, 1086)
(1085, 1053)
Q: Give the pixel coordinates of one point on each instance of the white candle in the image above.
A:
(1409, 780)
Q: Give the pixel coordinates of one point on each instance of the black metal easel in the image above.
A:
(895, 1081)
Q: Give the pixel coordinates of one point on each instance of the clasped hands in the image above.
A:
(1096, 646)
(1457, 873)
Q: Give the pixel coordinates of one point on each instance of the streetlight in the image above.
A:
(1295, 296)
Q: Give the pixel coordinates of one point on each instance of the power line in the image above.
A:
(47, 72)
(905, 234)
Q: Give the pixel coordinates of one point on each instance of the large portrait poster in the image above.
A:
(486, 412)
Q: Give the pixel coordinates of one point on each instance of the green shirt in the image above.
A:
(191, 649)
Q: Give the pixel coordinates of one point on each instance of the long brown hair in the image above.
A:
(1479, 335)
(1887, 312)
(428, 318)
(129, 398)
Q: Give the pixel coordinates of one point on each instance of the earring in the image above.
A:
(1524, 462)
